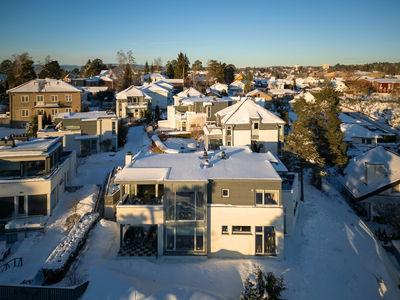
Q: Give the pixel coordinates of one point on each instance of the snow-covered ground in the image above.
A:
(332, 254)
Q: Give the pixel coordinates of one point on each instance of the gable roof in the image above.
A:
(354, 180)
(190, 92)
(45, 86)
(131, 91)
(244, 110)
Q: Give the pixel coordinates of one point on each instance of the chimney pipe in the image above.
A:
(40, 122)
(128, 158)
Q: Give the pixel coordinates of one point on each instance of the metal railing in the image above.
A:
(17, 263)
(26, 292)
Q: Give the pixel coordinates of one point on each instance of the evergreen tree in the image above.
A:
(44, 119)
(328, 103)
(300, 142)
(182, 67)
(152, 68)
(157, 113)
(32, 126)
(249, 292)
(51, 70)
(146, 68)
(229, 73)
(221, 72)
(274, 286)
(127, 77)
(249, 82)
(27, 71)
(171, 69)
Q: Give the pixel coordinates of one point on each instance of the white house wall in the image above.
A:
(241, 137)
(239, 245)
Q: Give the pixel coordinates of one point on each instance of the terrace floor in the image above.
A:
(131, 250)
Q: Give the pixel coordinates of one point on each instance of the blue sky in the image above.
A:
(256, 33)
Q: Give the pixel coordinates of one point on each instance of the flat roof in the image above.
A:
(241, 163)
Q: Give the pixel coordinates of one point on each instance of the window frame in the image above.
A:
(54, 111)
(54, 98)
(222, 193)
(40, 112)
(263, 192)
(68, 98)
(25, 99)
(68, 110)
(241, 229)
(224, 229)
(39, 98)
(25, 113)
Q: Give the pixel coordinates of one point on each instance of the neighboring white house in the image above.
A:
(132, 102)
(359, 135)
(246, 123)
(371, 177)
(33, 176)
(161, 94)
(153, 77)
(87, 132)
(229, 203)
(188, 93)
(236, 87)
(217, 88)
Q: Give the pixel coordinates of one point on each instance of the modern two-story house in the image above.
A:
(33, 176)
(229, 203)
(87, 132)
(42, 95)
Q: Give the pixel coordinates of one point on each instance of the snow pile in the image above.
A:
(161, 145)
(59, 260)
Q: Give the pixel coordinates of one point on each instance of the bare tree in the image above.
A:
(157, 64)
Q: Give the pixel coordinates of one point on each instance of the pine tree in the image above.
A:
(300, 142)
(27, 71)
(249, 292)
(157, 113)
(152, 68)
(127, 77)
(32, 126)
(334, 150)
(146, 68)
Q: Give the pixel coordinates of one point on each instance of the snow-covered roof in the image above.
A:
(349, 120)
(94, 89)
(93, 115)
(281, 91)
(355, 130)
(154, 76)
(155, 87)
(354, 179)
(33, 147)
(190, 92)
(244, 110)
(251, 93)
(241, 163)
(131, 91)
(45, 86)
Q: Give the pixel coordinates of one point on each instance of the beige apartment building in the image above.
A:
(42, 95)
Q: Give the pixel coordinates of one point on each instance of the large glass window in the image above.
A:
(185, 239)
(35, 168)
(37, 205)
(10, 168)
(185, 206)
(266, 197)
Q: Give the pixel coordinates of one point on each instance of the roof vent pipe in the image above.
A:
(223, 155)
(207, 163)
(205, 155)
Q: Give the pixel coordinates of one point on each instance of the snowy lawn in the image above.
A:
(332, 255)
(35, 250)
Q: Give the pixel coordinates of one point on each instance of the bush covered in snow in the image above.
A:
(59, 261)
(262, 286)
